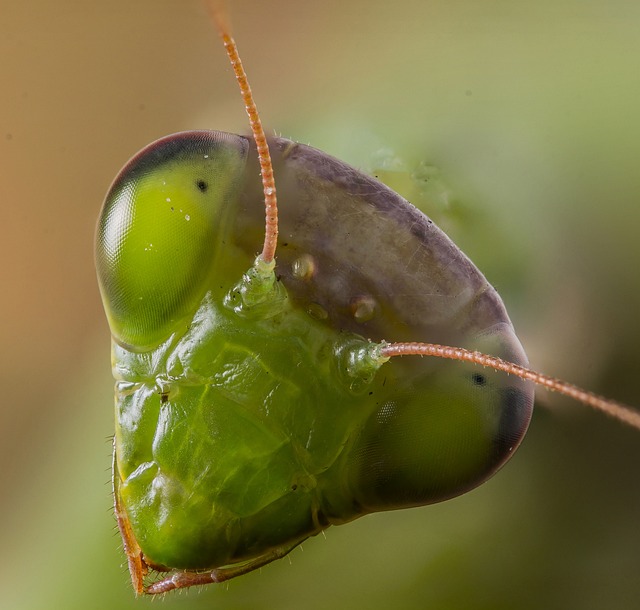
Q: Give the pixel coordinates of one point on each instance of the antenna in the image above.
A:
(219, 15)
(623, 413)
(381, 352)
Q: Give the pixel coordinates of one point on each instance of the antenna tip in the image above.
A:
(219, 14)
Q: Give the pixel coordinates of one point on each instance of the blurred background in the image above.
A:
(525, 118)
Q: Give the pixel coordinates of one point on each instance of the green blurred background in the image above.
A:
(529, 112)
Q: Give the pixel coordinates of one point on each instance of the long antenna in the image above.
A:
(218, 12)
(624, 413)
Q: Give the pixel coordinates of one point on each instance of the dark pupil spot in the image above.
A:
(478, 379)
(202, 185)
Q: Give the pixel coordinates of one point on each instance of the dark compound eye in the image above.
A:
(202, 186)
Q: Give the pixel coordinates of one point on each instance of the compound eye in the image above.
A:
(157, 233)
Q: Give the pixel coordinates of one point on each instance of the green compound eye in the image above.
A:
(156, 238)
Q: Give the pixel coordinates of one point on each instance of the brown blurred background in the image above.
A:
(529, 112)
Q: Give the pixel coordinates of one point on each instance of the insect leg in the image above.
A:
(137, 565)
(180, 580)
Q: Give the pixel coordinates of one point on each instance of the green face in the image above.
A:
(241, 428)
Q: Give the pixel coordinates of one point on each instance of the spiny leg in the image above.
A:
(181, 580)
(137, 565)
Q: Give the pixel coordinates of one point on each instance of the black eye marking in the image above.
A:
(479, 379)
(202, 185)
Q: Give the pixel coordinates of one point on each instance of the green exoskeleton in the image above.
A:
(257, 399)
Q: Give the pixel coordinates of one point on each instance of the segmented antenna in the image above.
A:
(218, 12)
(623, 413)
